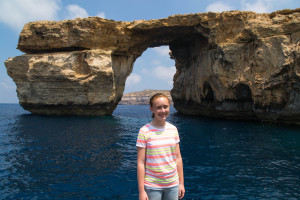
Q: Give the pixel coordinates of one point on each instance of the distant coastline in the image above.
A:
(142, 97)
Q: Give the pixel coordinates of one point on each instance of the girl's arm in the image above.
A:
(180, 172)
(141, 155)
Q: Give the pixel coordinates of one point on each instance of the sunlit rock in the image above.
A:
(237, 65)
(70, 83)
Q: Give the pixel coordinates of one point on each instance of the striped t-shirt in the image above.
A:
(161, 166)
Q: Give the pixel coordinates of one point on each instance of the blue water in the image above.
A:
(95, 157)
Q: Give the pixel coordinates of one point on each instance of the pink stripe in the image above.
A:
(153, 130)
(162, 145)
(165, 129)
(164, 177)
(161, 156)
(162, 173)
(162, 163)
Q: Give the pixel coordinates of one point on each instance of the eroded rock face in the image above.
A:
(252, 72)
(239, 65)
(70, 83)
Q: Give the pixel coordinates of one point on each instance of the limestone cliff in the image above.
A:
(142, 97)
(239, 65)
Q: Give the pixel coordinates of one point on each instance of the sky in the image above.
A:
(154, 69)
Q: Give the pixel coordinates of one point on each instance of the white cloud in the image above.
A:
(162, 50)
(76, 11)
(260, 6)
(218, 7)
(133, 79)
(101, 14)
(145, 71)
(165, 73)
(16, 13)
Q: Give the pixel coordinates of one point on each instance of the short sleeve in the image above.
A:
(141, 141)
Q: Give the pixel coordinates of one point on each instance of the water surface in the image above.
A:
(95, 157)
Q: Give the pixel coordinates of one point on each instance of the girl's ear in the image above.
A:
(152, 112)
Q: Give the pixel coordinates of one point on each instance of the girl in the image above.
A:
(159, 162)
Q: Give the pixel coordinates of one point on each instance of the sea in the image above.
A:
(56, 157)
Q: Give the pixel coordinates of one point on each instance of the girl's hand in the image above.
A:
(143, 196)
(181, 191)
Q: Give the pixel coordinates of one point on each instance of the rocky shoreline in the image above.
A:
(142, 97)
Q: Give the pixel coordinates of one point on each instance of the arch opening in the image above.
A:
(152, 72)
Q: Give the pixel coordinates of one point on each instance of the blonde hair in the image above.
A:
(156, 96)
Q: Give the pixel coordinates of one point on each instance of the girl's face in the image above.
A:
(160, 108)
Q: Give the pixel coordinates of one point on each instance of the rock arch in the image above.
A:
(231, 64)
